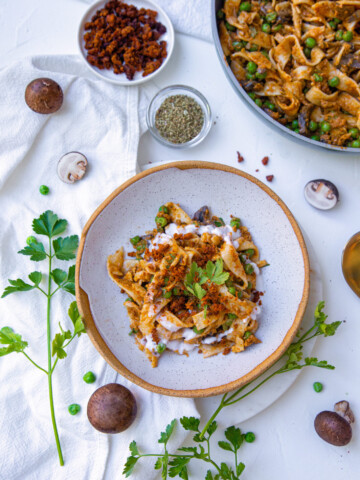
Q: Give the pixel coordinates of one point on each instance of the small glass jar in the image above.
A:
(178, 90)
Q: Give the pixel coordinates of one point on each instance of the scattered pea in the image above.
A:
(160, 347)
(89, 377)
(313, 126)
(295, 124)
(317, 77)
(220, 14)
(258, 102)
(198, 332)
(296, 130)
(250, 252)
(277, 28)
(315, 137)
(235, 222)
(333, 24)
(310, 42)
(163, 209)
(245, 7)
(318, 387)
(339, 35)
(249, 437)
(161, 221)
(355, 144)
(74, 408)
(354, 132)
(260, 76)
(348, 36)
(271, 17)
(238, 46)
(229, 27)
(176, 291)
(44, 189)
(270, 106)
(135, 240)
(250, 76)
(249, 269)
(265, 27)
(251, 67)
(253, 48)
(232, 290)
(252, 95)
(334, 82)
(325, 126)
(167, 294)
(307, 52)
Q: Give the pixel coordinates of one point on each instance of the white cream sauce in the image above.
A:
(216, 338)
(167, 324)
(226, 232)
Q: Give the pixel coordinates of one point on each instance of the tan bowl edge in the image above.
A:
(99, 343)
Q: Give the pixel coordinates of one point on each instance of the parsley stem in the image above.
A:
(34, 363)
(50, 370)
(41, 290)
(51, 294)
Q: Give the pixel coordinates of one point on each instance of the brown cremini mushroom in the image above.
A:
(72, 167)
(111, 408)
(335, 427)
(44, 95)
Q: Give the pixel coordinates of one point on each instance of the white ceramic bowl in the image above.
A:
(130, 211)
(120, 79)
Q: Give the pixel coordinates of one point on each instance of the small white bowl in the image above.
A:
(121, 79)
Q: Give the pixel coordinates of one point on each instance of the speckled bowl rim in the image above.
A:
(100, 344)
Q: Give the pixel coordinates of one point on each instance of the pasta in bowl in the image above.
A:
(192, 285)
(299, 63)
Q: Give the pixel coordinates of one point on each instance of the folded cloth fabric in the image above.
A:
(192, 18)
(104, 122)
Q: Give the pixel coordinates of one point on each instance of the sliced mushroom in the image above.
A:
(321, 194)
(335, 427)
(72, 167)
(202, 215)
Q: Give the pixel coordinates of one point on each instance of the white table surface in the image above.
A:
(286, 445)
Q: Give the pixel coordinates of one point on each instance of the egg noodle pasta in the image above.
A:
(299, 61)
(191, 284)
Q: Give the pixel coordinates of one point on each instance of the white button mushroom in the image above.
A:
(72, 167)
(321, 194)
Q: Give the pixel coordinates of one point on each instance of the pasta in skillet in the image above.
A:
(191, 285)
(299, 61)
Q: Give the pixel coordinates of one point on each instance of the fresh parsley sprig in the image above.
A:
(176, 465)
(173, 465)
(61, 248)
(213, 273)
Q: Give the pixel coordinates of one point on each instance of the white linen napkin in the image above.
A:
(104, 122)
(189, 17)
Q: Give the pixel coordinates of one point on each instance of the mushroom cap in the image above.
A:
(321, 194)
(111, 408)
(44, 95)
(72, 167)
(333, 428)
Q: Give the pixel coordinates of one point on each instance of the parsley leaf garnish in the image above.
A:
(13, 340)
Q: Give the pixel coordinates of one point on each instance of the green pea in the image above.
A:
(176, 291)
(348, 36)
(307, 52)
(265, 27)
(296, 130)
(242, 258)
(253, 48)
(250, 76)
(258, 102)
(232, 316)
(229, 27)
(333, 24)
(161, 221)
(247, 334)
(249, 287)
(135, 240)
(133, 331)
(239, 294)
(249, 269)
(317, 77)
(339, 35)
(355, 144)
(318, 387)
(325, 126)
(336, 20)
(310, 42)
(31, 240)
(163, 209)
(295, 124)
(245, 7)
(167, 294)
(252, 95)
(129, 300)
(265, 53)
(44, 190)
(260, 76)
(220, 14)
(334, 82)
(74, 408)
(232, 290)
(270, 105)
(160, 347)
(354, 132)
(271, 17)
(313, 126)
(89, 377)
(235, 222)
(251, 67)
(249, 437)
(238, 46)
(315, 137)
(277, 28)
(250, 252)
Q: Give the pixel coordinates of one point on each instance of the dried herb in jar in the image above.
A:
(179, 119)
